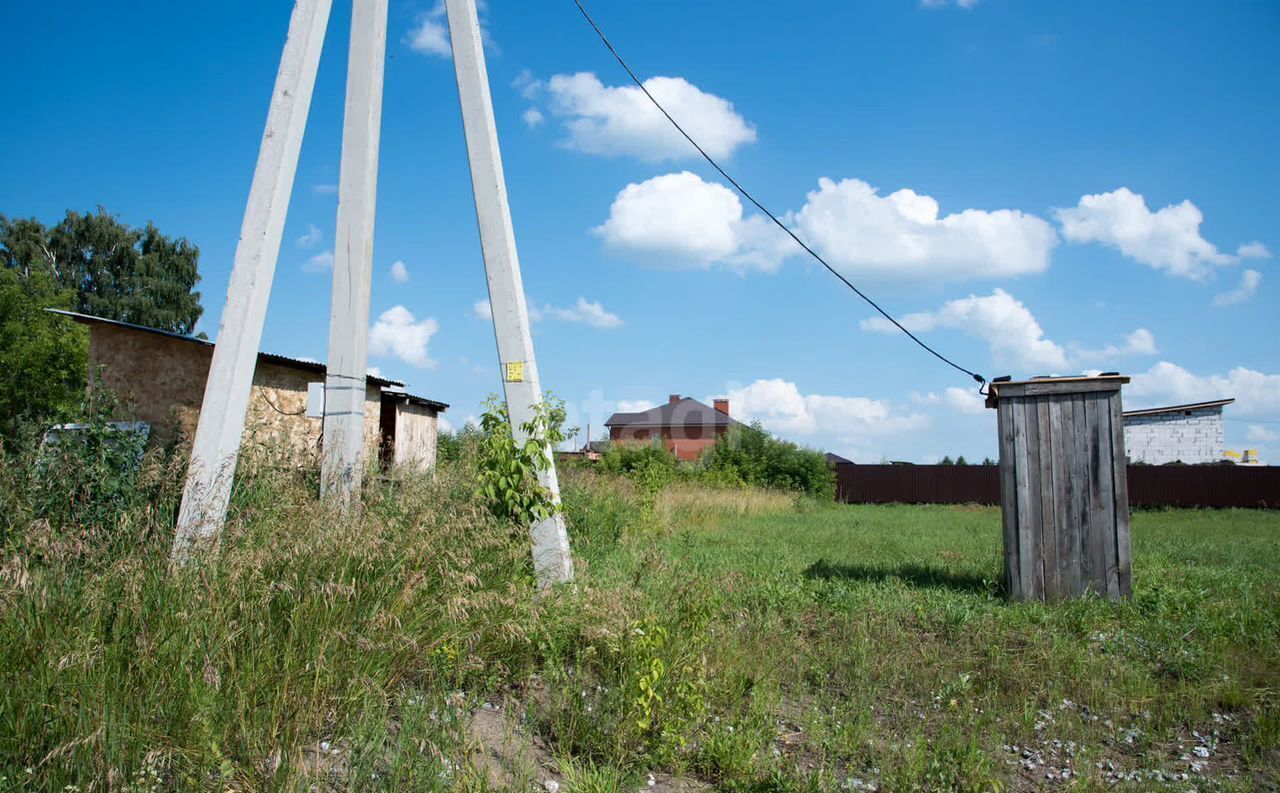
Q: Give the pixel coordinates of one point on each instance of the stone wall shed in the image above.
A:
(159, 377)
(1190, 434)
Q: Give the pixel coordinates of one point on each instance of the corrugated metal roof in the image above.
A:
(280, 360)
(415, 400)
(1217, 403)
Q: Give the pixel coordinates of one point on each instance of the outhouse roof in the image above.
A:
(1044, 386)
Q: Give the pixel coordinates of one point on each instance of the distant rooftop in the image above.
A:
(683, 412)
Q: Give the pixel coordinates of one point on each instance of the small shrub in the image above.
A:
(630, 458)
(81, 482)
(757, 458)
(588, 777)
(509, 470)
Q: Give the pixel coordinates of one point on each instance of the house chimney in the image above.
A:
(721, 405)
(674, 398)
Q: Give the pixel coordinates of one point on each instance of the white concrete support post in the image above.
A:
(551, 557)
(344, 390)
(226, 396)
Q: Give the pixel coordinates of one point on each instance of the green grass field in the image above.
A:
(715, 639)
(876, 638)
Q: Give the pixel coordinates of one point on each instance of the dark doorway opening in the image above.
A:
(387, 426)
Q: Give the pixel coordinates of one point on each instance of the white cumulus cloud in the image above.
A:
(584, 312)
(399, 272)
(397, 334)
(319, 263)
(532, 117)
(621, 121)
(430, 35)
(780, 406)
(1013, 334)
(1168, 239)
(529, 86)
(313, 237)
(1001, 320)
(964, 400)
(1139, 342)
(635, 406)
(903, 235)
(961, 400)
(1250, 280)
(680, 219)
(1257, 394)
(1253, 250)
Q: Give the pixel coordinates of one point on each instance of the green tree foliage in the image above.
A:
(946, 461)
(452, 446)
(509, 470)
(758, 458)
(961, 461)
(629, 458)
(113, 270)
(42, 356)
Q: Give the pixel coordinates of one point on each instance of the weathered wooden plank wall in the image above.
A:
(1070, 509)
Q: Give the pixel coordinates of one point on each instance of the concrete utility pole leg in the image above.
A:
(551, 558)
(226, 395)
(344, 433)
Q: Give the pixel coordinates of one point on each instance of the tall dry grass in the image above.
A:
(683, 504)
(308, 626)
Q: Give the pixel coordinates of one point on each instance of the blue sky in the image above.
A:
(1039, 187)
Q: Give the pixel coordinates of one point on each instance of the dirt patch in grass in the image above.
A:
(504, 753)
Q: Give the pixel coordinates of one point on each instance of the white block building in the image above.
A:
(1180, 433)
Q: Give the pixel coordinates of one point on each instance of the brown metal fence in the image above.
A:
(1149, 485)
(917, 484)
(1204, 486)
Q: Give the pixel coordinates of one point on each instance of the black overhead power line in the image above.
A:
(605, 39)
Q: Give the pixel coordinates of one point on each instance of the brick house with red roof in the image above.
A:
(686, 426)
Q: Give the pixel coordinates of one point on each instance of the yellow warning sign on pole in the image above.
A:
(515, 371)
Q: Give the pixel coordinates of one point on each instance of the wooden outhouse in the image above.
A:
(1063, 487)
